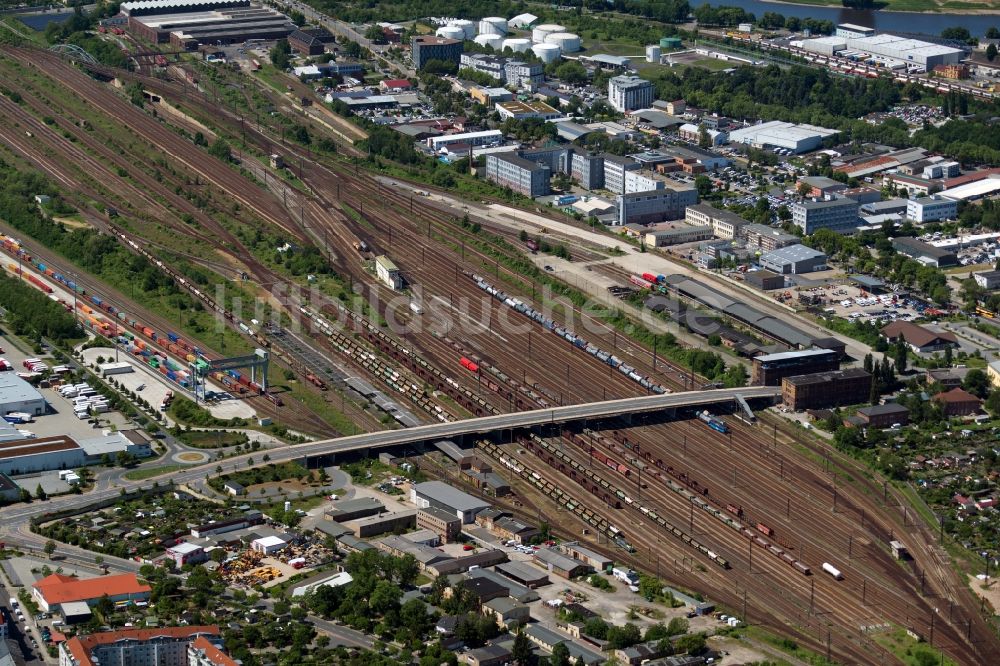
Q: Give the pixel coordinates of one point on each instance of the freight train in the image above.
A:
(567, 335)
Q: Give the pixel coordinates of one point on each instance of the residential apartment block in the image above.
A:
(628, 93)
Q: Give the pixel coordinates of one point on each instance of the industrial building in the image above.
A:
(883, 416)
(26, 456)
(353, 509)
(188, 23)
(484, 138)
(158, 646)
(444, 523)
(794, 260)
(384, 522)
(973, 190)
(765, 280)
(307, 43)
(387, 272)
(826, 389)
(779, 134)
(923, 252)
(770, 369)
(524, 574)
(17, 395)
(840, 215)
(628, 93)
(931, 209)
(519, 174)
(852, 31)
(51, 592)
(424, 48)
(910, 51)
(684, 234)
(559, 564)
(523, 110)
(724, 223)
(987, 279)
(958, 402)
(443, 496)
(764, 324)
(655, 205)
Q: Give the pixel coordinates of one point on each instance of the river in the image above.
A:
(883, 21)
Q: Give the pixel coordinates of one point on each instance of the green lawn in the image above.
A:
(150, 472)
(910, 651)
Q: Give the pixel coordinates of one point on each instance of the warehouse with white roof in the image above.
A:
(443, 496)
(17, 395)
(779, 134)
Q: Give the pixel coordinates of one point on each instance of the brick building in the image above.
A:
(770, 369)
(958, 402)
(444, 523)
(883, 416)
(826, 389)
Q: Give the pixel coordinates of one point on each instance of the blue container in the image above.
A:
(172, 337)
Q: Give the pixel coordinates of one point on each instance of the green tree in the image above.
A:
(40, 492)
(976, 382)
(691, 644)
(624, 636)
(49, 548)
(281, 54)
(704, 138)
(560, 655)
(220, 149)
(899, 355)
(991, 52)
(521, 651)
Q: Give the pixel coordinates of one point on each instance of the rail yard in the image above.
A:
(739, 508)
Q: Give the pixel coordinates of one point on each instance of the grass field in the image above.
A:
(150, 472)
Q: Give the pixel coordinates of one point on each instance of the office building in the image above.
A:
(162, 646)
(931, 209)
(852, 31)
(628, 93)
(615, 167)
(794, 260)
(424, 48)
(519, 174)
(655, 205)
(524, 75)
(826, 389)
(443, 496)
(923, 252)
(764, 238)
(770, 369)
(588, 170)
(724, 224)
(840, 215)
(492, 66)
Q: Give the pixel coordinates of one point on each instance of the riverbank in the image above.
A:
(965, 8)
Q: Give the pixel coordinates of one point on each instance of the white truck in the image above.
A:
(626, 576)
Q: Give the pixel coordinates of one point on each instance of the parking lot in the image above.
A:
(853, 303)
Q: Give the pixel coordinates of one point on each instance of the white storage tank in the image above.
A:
(468, 27)
(517, 45)
(653, 54)
(451, 32)
(494, 41)
(546, 52)
(567, 41)
(493, 25)
(540, 32)
(833, 571)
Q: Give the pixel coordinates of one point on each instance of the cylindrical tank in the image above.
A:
(670, 42)
(652, 53)
(540, 32)
(567, 41)
(494, 41)
(468, 27)
(451, 32)
(546, 52)
(493, 25)
(517, 45)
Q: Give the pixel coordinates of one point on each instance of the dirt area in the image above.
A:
(72, 224)
(991, 592)
(738, 652)
(285, 570)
